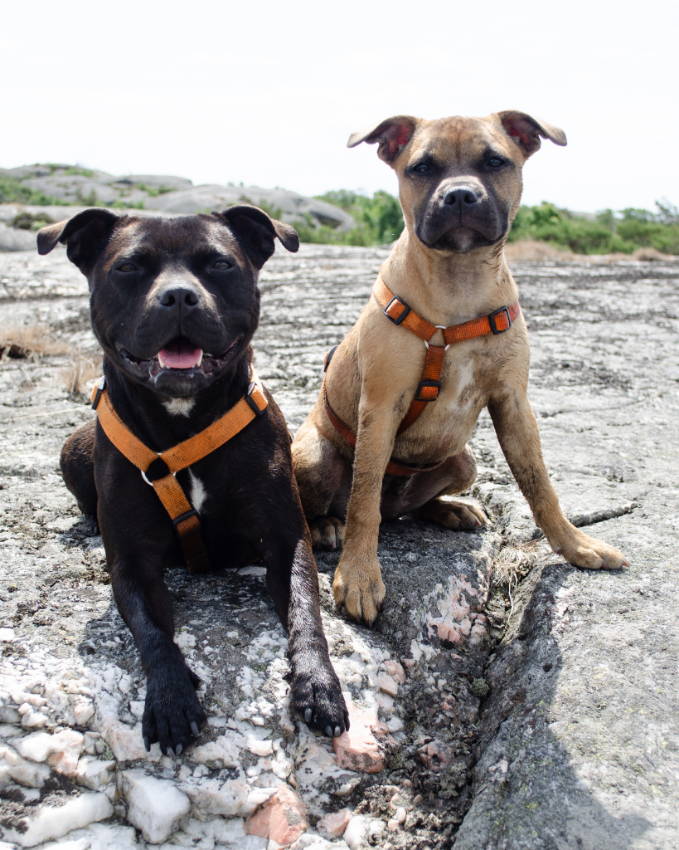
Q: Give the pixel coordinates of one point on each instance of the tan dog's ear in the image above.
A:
(256, 230)
(85, 236)
(525, 131)
(393, 135)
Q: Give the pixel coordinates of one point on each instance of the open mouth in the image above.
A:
(180, 354)
(179, 357)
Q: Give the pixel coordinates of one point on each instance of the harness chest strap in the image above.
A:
(400, 313)
(159, 468)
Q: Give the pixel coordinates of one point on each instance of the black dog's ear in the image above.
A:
(256, 231)
(525, 131)
(393, 135)
(85, 235)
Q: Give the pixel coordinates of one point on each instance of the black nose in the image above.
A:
(461, 196)
(178, 296)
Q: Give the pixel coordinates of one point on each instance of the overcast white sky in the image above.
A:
(267, 93)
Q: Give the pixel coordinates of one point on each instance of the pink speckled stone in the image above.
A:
(282, 817)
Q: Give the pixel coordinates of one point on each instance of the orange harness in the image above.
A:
(429, 387)
(159, 469)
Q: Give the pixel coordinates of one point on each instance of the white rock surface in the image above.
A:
(51, 822)
(154, 806)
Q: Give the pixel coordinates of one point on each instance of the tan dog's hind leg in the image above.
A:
(323, 476)
(452, 513)
(518, 434)
(425, 495)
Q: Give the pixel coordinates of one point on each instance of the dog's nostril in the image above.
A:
(460, 196)
(172, 297)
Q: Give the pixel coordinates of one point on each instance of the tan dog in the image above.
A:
(460, 186)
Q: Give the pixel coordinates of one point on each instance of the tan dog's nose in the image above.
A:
(461, 196)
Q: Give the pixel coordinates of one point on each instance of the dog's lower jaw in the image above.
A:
(178, 383)
(459, 240)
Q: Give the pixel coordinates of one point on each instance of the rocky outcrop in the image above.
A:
(289, 206)
(68, 188)
(503, 701)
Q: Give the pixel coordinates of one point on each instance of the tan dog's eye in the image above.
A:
(495, 162)
(421, 168)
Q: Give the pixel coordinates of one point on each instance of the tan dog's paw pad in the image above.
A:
(453, 514)
(327, 532)
(584, 551)
(359, 592)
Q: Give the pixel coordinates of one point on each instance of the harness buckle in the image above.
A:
(182, 517)
(428, 390)
(507, 319)
(399, 317)
(253, 403)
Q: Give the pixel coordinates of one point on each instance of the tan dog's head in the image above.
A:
(459, 178)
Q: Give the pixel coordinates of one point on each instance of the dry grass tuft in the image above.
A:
(78, 376)
(528, 251)
(27, 341)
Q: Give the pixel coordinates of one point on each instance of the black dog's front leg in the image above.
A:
(172, 712)
(292, 579)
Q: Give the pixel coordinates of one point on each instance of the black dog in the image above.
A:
(174, 304)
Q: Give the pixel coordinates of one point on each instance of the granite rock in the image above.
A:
(514, 702)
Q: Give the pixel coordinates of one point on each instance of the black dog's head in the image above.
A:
(174, 301)
(459, 178)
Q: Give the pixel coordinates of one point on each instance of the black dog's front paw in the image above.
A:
(172, 713)
(317, 697)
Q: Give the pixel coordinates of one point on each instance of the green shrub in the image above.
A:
(28, 221)
(378, 219)
(13, 191)
(77, 170)
(605, 233)
(120, 204)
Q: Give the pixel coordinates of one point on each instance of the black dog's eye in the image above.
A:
(494, 161)
(127, 267)
(221, 264)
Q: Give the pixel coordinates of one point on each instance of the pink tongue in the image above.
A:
(180, 355)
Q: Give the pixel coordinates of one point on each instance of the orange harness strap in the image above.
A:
(159, 469)
(394, 467)
(429, 387)
(400, 313)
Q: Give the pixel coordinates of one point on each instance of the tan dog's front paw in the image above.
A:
(581, 550)
(359, 590)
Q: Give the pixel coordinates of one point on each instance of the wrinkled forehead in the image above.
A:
(457, 138)
(171, 237)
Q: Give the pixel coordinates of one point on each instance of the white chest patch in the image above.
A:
(463, 380)
(198, 493)
(179, 406)
(465, 377)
